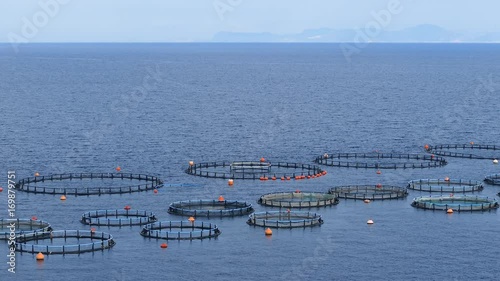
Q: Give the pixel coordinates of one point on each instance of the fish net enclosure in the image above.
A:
(470, 150)
(298, 199)
(456, 203)
(89, 183)
(371, 192)
(285, 219)
(377, 160)
(445, 185)
(64, 242)
(248, 170)
(118, 217)
(180, 230)
(16, 227)
(210, 208)
(493, 179)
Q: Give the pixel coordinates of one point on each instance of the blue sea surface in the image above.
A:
(151, 108)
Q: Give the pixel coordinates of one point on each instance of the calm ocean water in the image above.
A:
(150, 108)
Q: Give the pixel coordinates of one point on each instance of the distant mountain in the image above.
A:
(420, 33)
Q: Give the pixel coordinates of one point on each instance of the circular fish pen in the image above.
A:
(248, 170)
(16, 227)
(180, 230)
(445, 185)
(298, 199)
(284, 219)
(470, 150)
(492, 179)
(118, 217)
(88, 183)
(380, 160)
(210, 208)
(97, 241)
(371, 192)
(456, 203)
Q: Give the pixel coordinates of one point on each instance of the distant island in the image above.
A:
(421, 33)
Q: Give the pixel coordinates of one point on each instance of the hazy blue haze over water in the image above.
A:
(78, 108)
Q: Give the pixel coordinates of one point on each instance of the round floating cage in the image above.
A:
(210, 208)
(180, 230)
(16, 227)
(456, 203)
(58, 242)
(470, 150)
(380, 160)
(372, 192)
(60, 183)
(492, 179)
(298, 199)
(248, 170)
(285, 219)
(445, 185)
(118, 217)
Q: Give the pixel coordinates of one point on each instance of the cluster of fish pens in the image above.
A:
(30, 233)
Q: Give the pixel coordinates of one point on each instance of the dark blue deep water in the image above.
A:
(150, 108)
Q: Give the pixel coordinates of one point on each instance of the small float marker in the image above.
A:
(369, 222)
(230, 182)
(191, 163)
(163, 245)
(1, 189)
(63, 197)
(262, 160)
(447, 179)
(37, 174)
(34, 218)
(379, 172)
(118, 168)
(221, 199)
(40, 257)
(268, 232)
(366, 200)
(127, 207)
(495, 161)
(155, 191)
(449, 211)
(191, 219)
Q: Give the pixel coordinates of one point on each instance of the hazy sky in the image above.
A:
(199, 20)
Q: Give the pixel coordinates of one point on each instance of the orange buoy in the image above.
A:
(221, 199)
(268, 231)
(230, 182)
(447, 179)
(40, 256)
(472, 143)
(262, 160)
(118, 168)
(449, 211)
(34, 218)
(155, 190)
(287, 178)
(324, 173)
(37, 174)
(63, 197)
(191, 163)
(379, 172)
(313, 176)
(273, 178)
(297, 177)
(369, 222)
(127, 207)
(308, 177)
(297, 191)
(163, 245)
(282, 178)
(92, 229)
(426, 147)
(379, 185)
(191, 219)
(1, 189)
(366, 200)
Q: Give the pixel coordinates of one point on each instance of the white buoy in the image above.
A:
(495, 161)
(369, 222)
